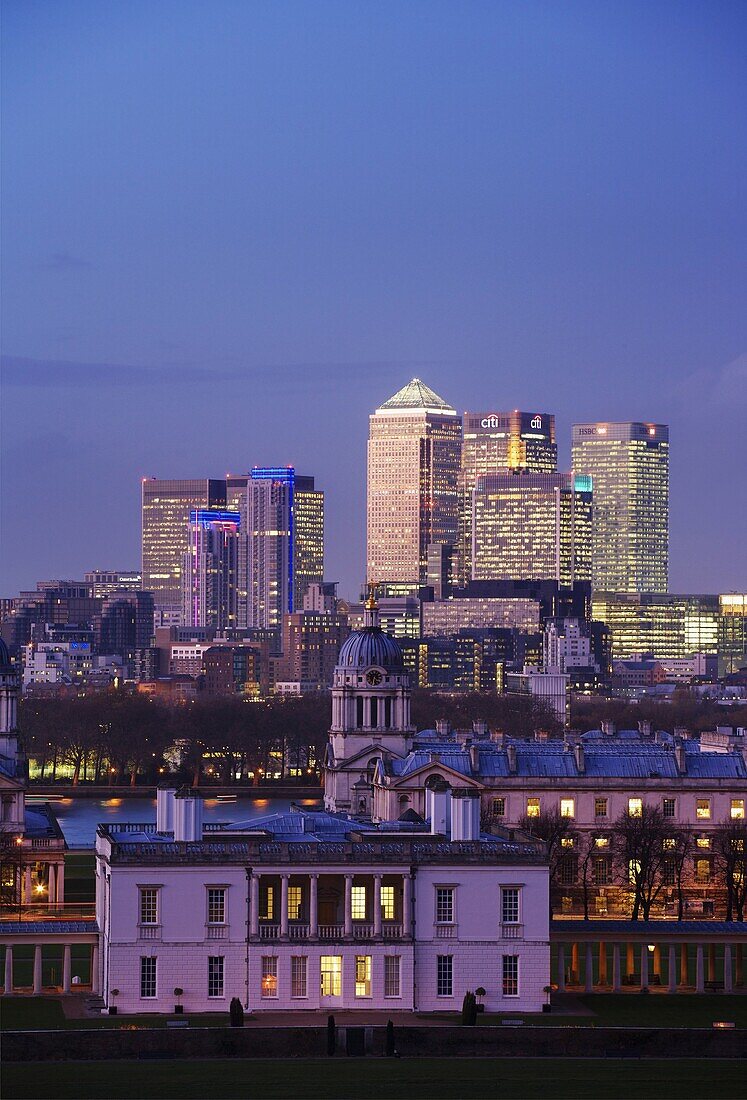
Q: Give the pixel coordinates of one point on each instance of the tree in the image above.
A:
(729, 856)
(553, 828)
(639, 844)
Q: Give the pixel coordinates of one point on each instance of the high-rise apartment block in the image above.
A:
(629, 466)
(210, 570)
(166, 508)
(529, 526)
(285, 543)
(414, 451)
(493, 443)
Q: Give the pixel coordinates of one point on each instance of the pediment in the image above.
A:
(417, 778)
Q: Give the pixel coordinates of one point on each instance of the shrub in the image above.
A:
(469, 1009)
(331, 1035)
(236, 1012)
(389, 1041)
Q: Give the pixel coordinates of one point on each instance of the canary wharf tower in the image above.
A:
(414, 454)
(629, 467)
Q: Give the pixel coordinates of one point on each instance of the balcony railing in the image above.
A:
(331, 931)
(391, 931)
(446, 931)
(149, 931)
(217, 931)
(362, 931)
(512, 931)
(298, 931)
(269, 931)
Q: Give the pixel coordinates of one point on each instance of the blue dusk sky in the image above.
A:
(231, 229)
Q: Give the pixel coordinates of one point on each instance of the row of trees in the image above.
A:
(120, 736)
(645, 855)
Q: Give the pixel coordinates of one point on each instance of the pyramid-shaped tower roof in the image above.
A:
(416, 395)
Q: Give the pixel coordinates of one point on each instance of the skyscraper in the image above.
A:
(210, 570)
(414, 450)
(166, 507)
(629, 466)
(492, 443)
(285, 543)
(528, 526)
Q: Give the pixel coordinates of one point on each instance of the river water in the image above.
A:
(78, 817)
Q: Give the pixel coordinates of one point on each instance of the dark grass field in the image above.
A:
(405, 1079)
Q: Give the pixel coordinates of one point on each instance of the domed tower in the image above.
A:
(370, 713)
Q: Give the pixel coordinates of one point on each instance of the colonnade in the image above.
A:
(309, 927)
(667, 964)
(66, 984)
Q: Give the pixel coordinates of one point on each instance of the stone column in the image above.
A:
(377, 905)
(684, 976)
(657, 961)
(602, 963)
(574, 964)
(95, 984)
(616, 982)
(51, 885)
(37, 969)
(407, 905)
(589, 970)
(738, 966)
(254, 906)
(728, 985)
(629, 961)
(8, 970)
(672, 969)
(284, 879)
(699, 982)
(66, 968)
(348, 929)
(711, 962)
(314, 906)
(561, 968)
(367, 712)
(644, 965)
(27, 898)
(60, 884)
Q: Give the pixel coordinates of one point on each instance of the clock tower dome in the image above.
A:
(370, 713)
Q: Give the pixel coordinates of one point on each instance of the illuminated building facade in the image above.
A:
(166, 508)
(414, 451)
(528, 526)
(629, 467)
(105, 581)
(492, 443)
(660, 625)
(209, 571)
(285, 543)
(732, 632)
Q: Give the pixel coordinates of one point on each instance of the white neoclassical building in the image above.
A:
(311, 910)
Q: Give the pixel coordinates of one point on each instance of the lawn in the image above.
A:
(45, 1014)
(403, 1079)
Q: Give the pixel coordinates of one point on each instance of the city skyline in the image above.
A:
(247, 235)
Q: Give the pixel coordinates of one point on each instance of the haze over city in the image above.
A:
(231, 239)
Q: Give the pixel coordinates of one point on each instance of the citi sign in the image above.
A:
(536, 422)
(490, 422)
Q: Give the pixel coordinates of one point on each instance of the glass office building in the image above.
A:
(658, 624)
(492, 443)
(166, 508)
(414, 450)
(529, 526)
(629, 466)
(210, 570)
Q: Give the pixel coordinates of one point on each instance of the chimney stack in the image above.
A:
(511, 757)
(578, 752)
(480, 728)
(442, 727)
(645, 728)
(437, 805)
(465, 814)
(165, 809)
(680, 757)
(187, 815)
(474, 759)
(608, 728)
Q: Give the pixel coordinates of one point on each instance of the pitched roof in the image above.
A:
(416, 395)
